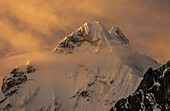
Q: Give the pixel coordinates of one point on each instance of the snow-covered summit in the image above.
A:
(92, 36)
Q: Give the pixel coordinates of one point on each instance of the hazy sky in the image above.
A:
(28, 26)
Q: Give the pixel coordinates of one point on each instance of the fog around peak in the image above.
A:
(32, 28)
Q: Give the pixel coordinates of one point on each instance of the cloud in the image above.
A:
(31, 27)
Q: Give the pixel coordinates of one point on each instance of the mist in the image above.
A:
(29, 30)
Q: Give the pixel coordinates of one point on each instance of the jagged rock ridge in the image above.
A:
(93, 33)
(16, 78)
(153, 92)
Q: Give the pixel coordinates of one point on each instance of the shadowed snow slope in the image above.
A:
(94, 69)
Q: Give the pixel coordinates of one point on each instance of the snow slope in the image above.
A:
(94, 69)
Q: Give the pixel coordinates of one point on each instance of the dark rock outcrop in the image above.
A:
(153, 92)
(15, 78)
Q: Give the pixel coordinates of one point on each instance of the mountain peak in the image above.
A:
(91, 36)
(82, 81)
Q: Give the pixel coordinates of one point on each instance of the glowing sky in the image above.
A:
(29, 26)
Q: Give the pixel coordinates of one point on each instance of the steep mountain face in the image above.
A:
(152, 94)
(99, 68)
(94, 37)
(93, 85)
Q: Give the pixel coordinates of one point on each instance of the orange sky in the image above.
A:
(28, 26)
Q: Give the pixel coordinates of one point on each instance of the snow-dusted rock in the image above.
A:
(153, 93)
(94, 34)
(17, 77)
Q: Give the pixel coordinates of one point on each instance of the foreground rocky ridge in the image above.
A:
(153, 92)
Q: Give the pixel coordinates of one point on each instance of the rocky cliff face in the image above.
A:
(153, 92)
(17, 76)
